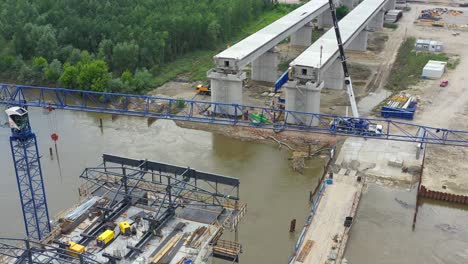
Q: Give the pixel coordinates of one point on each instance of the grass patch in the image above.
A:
(195, 64)
(390, 25)
(407, 69)
(283, 66)
(359, 71)
(316, 34)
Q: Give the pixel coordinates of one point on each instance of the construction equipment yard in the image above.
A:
(217, 172)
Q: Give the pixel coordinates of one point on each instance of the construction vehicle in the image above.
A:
(356, 126)
(75, 247)
(105, 238)
(126, 229)
(347, 78)
(203, 89)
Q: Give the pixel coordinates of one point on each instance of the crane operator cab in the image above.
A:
(18, 119)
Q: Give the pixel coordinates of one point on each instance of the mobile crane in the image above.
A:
(347, 78)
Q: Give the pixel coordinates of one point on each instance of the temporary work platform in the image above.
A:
(177, 214)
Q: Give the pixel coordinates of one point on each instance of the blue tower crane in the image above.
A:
(28, 174)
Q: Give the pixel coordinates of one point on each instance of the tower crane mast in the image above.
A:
(28, 174)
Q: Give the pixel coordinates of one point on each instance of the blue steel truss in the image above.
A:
(218, 113)
(30, 184)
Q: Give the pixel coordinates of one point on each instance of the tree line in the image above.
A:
(111, 45)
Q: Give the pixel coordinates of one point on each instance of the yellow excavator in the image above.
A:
(203, 89)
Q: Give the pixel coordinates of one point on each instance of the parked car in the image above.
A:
(443, 83)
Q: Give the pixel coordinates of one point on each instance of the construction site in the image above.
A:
(314, 140)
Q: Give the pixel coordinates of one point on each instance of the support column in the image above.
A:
(302, 37)
(348, 3)
(265, 67)
(325, 20)
(333, 76)
(303, 98)
(359, 43)
(226, 88)
(390, 5)
(376, 23)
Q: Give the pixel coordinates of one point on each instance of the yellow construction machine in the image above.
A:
(203, 89)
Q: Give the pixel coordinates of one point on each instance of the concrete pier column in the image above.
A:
(302, 37)
(333, 76)
(359, 43)
(265, 67)
(303, 98)
(390, 5)
(348, 3)
(226, 88)
(376, 23)
(325, 20)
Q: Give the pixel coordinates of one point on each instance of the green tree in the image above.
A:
(125, 56)
(127, 77)
(39, 64)
(105, 51)
(143, 80)
(341, 12)
(69, 77)
(93, 75)
(53, 71)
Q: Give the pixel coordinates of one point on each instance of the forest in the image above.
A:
(111, 45)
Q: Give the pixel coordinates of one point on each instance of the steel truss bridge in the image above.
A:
(216, 113)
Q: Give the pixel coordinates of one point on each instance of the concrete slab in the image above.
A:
(376, 159)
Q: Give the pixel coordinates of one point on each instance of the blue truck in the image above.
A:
(355, 126)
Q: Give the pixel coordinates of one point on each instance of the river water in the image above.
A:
(273, 192)
(383, 234)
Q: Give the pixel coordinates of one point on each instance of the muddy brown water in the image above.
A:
(273, 192)
(383, 234)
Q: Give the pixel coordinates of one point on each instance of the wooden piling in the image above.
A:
(292, 226)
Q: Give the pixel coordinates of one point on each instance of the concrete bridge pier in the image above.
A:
(325, 20)
(333, 76)
(359, 43)
(303, 98)
(348, 3)
(376, 23)
(265, 67)
(302, 37)
(390, 5)
(226, 88)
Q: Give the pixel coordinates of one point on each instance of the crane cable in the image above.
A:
(53, 129)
